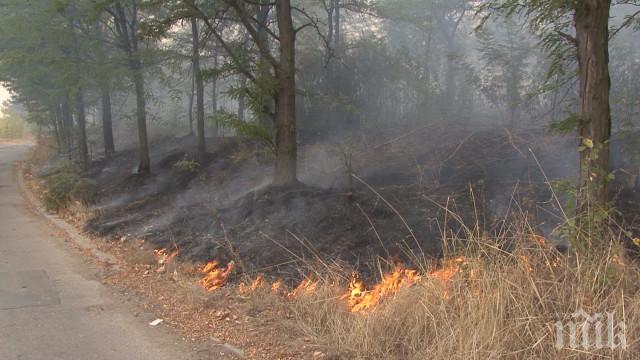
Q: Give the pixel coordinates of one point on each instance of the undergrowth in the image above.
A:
(503, 302)
(65, 186)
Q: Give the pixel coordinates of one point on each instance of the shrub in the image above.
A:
(84, 191)
(67, 185)
(190, 166)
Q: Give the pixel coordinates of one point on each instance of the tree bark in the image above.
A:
(285, 99)
(144, 166)
(55, 122)
(264, 117)
(241, 99)
(337, 28)
(214, 94)
(67, 126)
(197, 75)
(107, 123)
(594, 114)
(192, 95)
(126, 29)
(82, 128)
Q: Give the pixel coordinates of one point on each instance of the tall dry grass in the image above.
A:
(499, 305)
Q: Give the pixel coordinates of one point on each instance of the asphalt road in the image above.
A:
(51, 306)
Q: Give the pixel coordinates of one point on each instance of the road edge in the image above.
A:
(76, 236)
(82, 241)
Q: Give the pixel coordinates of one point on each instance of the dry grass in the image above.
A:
(499, 305)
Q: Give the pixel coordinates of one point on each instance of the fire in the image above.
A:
(256, 284)
(277, 286)
(306, 287)
(215, 276)
(361, 299)
(540, 240)
(164, 256)
(449, 269)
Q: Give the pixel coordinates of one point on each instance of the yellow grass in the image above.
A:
(500, 305)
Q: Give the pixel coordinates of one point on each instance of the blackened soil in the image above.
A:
(404, 196)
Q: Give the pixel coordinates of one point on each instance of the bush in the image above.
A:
(190, 166)
(84, 191)
(65, 186)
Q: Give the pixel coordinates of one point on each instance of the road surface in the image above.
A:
(50, 307)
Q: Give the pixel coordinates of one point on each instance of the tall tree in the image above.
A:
(283, 90)
(590, 22)
(594, 114)
(82, 127)
(199, 87)
(105, 93)
(214, 91)
(125, 15)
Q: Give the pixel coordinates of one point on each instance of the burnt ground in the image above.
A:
(225, 209)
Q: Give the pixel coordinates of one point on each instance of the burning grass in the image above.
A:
(484, 304)
(216, 276)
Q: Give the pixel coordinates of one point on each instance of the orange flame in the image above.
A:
(215, 276)
(360, 299)
(259, 282)
(277, 286)
(256, 284)
(164, 256)
(306, 287)
(449, 269)
(540, 240)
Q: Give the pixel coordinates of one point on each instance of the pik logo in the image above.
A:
(589, 332)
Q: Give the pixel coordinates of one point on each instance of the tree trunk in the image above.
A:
(141, 114)
(107, 123)
(67, 126)
(241, 99)
(127, 30)
(197, 75)
(285, 99)
(330, 12)
(82, 128)
(449, 80)
(191, 98)
(214, 94)
(594, 115)
(56, 128)
(264, 117)
(337, 28)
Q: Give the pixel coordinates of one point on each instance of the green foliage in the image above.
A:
(564, 127)
(583, 229)
(12, 126)
(503, 74)
(190, 166)
(250, 129)
(84, 191)
(551, 21)
(565, 189)
(67, 185)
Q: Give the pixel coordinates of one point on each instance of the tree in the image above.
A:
(105, 93)
(283, 91)
(504, 56)
(82, 127)
(125, 22)
(589, 20)
(54, 79)
(199, 87)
